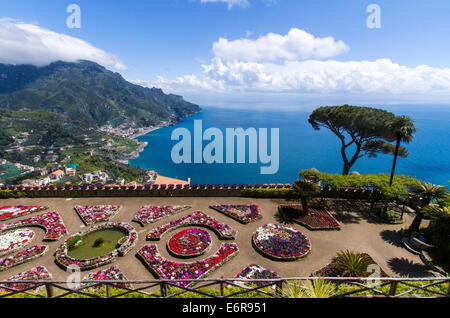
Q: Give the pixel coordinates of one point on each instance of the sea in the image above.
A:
(301, 147)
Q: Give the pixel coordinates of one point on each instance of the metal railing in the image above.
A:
(220, 288)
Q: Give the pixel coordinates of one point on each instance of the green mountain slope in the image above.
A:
(87, 95)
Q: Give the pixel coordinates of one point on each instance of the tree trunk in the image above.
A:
(305, 205)
(346, 170)
(397, 146)
(444, 251)
(415, 225)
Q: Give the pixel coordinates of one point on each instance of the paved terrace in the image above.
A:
(357, 233)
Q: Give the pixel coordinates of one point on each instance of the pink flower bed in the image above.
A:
(14, 240)
(316, 219)
(112, 273)
(13, 211)
(197, 218)
(167, 269)
(64, 260)
(242, 213)
(35, 274)
(150, 213)
(189, 243)
(91, 214)
(51, 222)
(22, 257)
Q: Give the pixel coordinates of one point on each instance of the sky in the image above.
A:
(222, 52)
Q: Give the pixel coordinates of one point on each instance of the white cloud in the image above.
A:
(297, 44)
(22, 43)
(231, 3)
(313, 77)
(292, 65)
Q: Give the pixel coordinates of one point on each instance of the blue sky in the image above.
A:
(166, 42)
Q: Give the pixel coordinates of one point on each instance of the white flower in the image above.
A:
(16, 239)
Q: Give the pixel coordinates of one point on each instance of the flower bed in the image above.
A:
(281, 243)
(22, 257)
(112, 273)
(51, 222)
(13, 211)
(64, 260)
(167, 269)
(91, 214)
(254, 272)
(14, 240)
(316, 219)
(150, 213)
(189, 243)
(35, 274)
(242, 213)
(197, 218)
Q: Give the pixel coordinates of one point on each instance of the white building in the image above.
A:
(88, 177)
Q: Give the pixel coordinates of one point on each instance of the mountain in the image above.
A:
(87, 94)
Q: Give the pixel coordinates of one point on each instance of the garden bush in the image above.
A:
(269, 193)
(73, 241)
(9, 194)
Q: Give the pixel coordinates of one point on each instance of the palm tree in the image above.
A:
(428, 192)
(305, 190)
(443, 213)
(402, 129)
(352, 264)
(317, 289)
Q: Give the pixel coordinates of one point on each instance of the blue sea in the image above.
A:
(302, 147)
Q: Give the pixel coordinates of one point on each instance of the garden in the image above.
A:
(201, 244)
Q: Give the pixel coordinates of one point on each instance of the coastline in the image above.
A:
(142, 145)
(145, 131)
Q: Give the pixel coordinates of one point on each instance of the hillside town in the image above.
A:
(67, 174)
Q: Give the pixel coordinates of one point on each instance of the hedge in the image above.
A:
(9, 194)
(269, 193)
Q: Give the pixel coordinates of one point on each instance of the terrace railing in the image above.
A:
(433, 287)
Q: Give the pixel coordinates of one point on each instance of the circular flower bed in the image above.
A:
(281, 243)
(189, 243)
(65, 261)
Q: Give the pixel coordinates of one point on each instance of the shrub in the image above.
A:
(73, 241)
(268, 193)
(308, 289)
(9, 194)
(353, 264)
